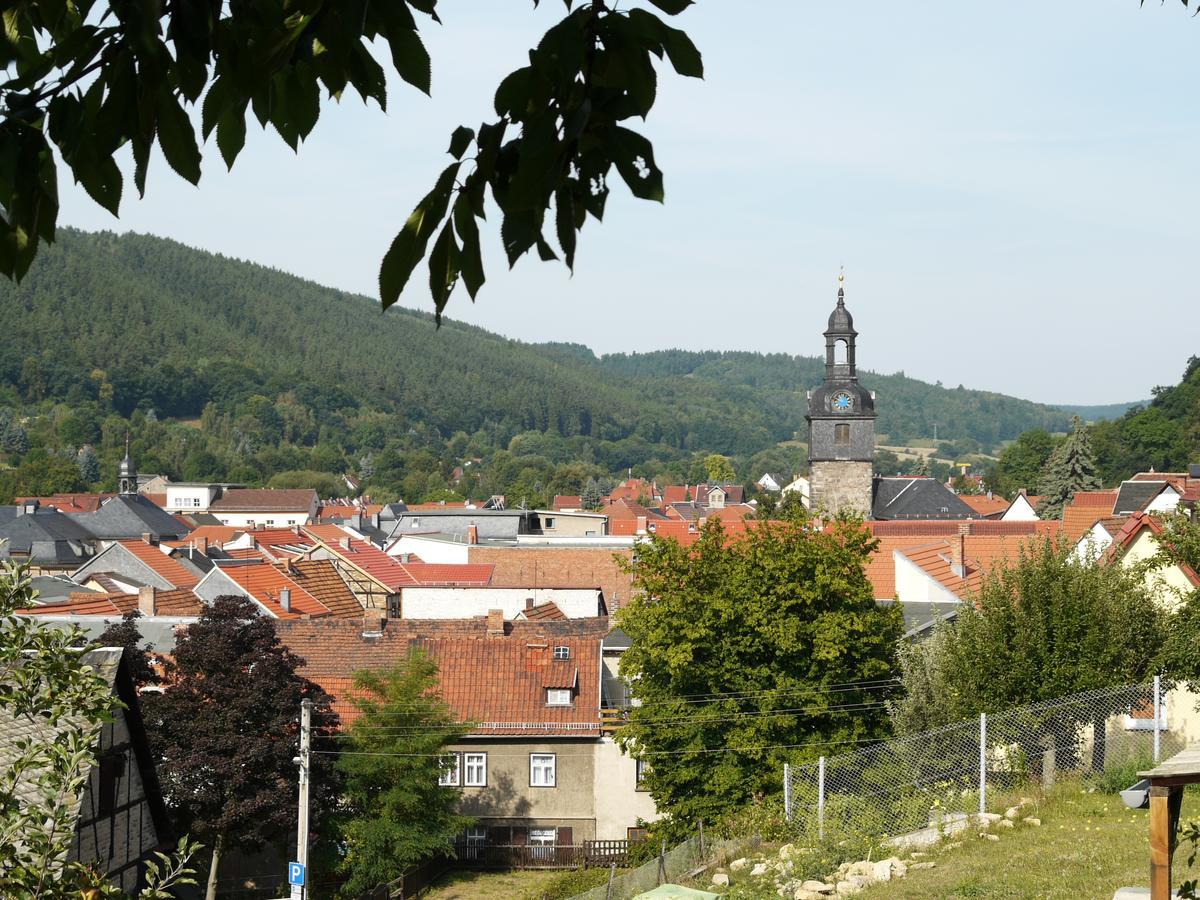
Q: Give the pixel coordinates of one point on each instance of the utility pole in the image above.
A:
(300, 891)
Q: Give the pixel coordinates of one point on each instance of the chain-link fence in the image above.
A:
(670, 866)
(913, 782)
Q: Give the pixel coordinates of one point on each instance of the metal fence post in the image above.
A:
(821, 798)
(982, 763)
(1157, 716)
(787, 791)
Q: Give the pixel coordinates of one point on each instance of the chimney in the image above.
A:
(958, 545)
(641, 524)
(405, 557)
(472, 533)
(30, 506)
(285, 598)
(146, 602)
(373, 622)
(345, 544)
(202, 545)
(529, 603)
(495, 623)
(1022, 492)
(295, 528)
(149, 538)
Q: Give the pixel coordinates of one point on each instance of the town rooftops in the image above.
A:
(130, 516)
(1135, 495)
(495, 677)
(916, 498)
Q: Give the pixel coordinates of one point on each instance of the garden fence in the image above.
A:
(910, 783)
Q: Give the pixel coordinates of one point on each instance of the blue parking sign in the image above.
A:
(296, 874)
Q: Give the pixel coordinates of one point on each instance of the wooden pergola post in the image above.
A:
(1165, 800)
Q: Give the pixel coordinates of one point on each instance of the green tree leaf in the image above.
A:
(408, 247)
(176, 137)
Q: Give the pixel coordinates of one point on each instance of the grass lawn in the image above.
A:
(488, 885)
(1088, 845)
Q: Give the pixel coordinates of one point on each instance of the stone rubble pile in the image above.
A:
(852, 877)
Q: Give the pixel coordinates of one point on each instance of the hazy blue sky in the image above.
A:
(1011, 186)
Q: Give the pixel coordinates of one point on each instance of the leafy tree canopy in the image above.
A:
(226, 729)
(735, 646)
(85, 80)
(1042, 627)
(394, 813)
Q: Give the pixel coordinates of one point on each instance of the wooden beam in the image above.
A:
(1164, 817)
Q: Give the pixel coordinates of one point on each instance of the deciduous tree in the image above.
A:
(86, 79)
(394, 812)
(226, 729)
(736, 646)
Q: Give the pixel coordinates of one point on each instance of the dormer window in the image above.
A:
(558, 697)
(562, 652)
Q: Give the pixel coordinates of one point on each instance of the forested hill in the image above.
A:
(118, 323)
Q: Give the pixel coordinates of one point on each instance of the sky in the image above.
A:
(1011, 188)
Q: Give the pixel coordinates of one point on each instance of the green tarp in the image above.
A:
(676, 892)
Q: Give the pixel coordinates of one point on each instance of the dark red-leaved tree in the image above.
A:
(126, 634)
(226, 729)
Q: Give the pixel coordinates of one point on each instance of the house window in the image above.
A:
(558, 697)
(542, 841)
(841, 434)
(541, 770)
(477, 834)
(642, 768)
(549, 523)
(562, 652)
(450, 771)
(270, 521)
(195, 501)
(475, 766)
(633, 835)
(110, 778)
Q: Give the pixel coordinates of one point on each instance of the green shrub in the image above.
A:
(1122, 774)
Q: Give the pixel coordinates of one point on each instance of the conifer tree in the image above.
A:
(921, 466)
(88, 465)
(592, 497)
(1072, 467)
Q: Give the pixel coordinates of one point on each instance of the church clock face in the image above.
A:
(842, 402)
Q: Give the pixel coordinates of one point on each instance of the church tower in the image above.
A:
(841, 424)
(127, 481)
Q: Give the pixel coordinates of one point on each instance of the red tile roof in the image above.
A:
(216, 535)
(70, 502)
(543, 612)
(264, 582)
(936, 560)
(171, 569)
(567, 501)
(498, 682)
(320, 578)
(450, 574)
(1102, 499)
(391, 572)
(983, 505)
(167, 603)
(265, 500)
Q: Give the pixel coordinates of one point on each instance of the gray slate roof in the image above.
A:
(1135, 496)
(917, 498)
(46, 536)
(131, 516)
(55, 588)
(920, 618)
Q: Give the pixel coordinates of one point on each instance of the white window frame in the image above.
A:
(549, 522)
(546, 837)
(543, 766)
(470, 760)
(450, 777)
(477, 834)
(558, 696)
(639, 774)
(562, 652)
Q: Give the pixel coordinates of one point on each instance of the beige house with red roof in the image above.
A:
(250, 507)
(537, 767)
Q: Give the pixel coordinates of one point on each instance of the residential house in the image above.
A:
(916, 497)
(287, 590)
(771, 481)
(1139, 495)
(566, 503)
(132, 564)
(456, 521)
(49, 541)
(119, 819)
(986, 506)
(250, 507)
(568, 523)
(1137, 545)
(128, 516)
(1022, 509)
(537, 768)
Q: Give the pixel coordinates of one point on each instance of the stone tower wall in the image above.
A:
(839, 485)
